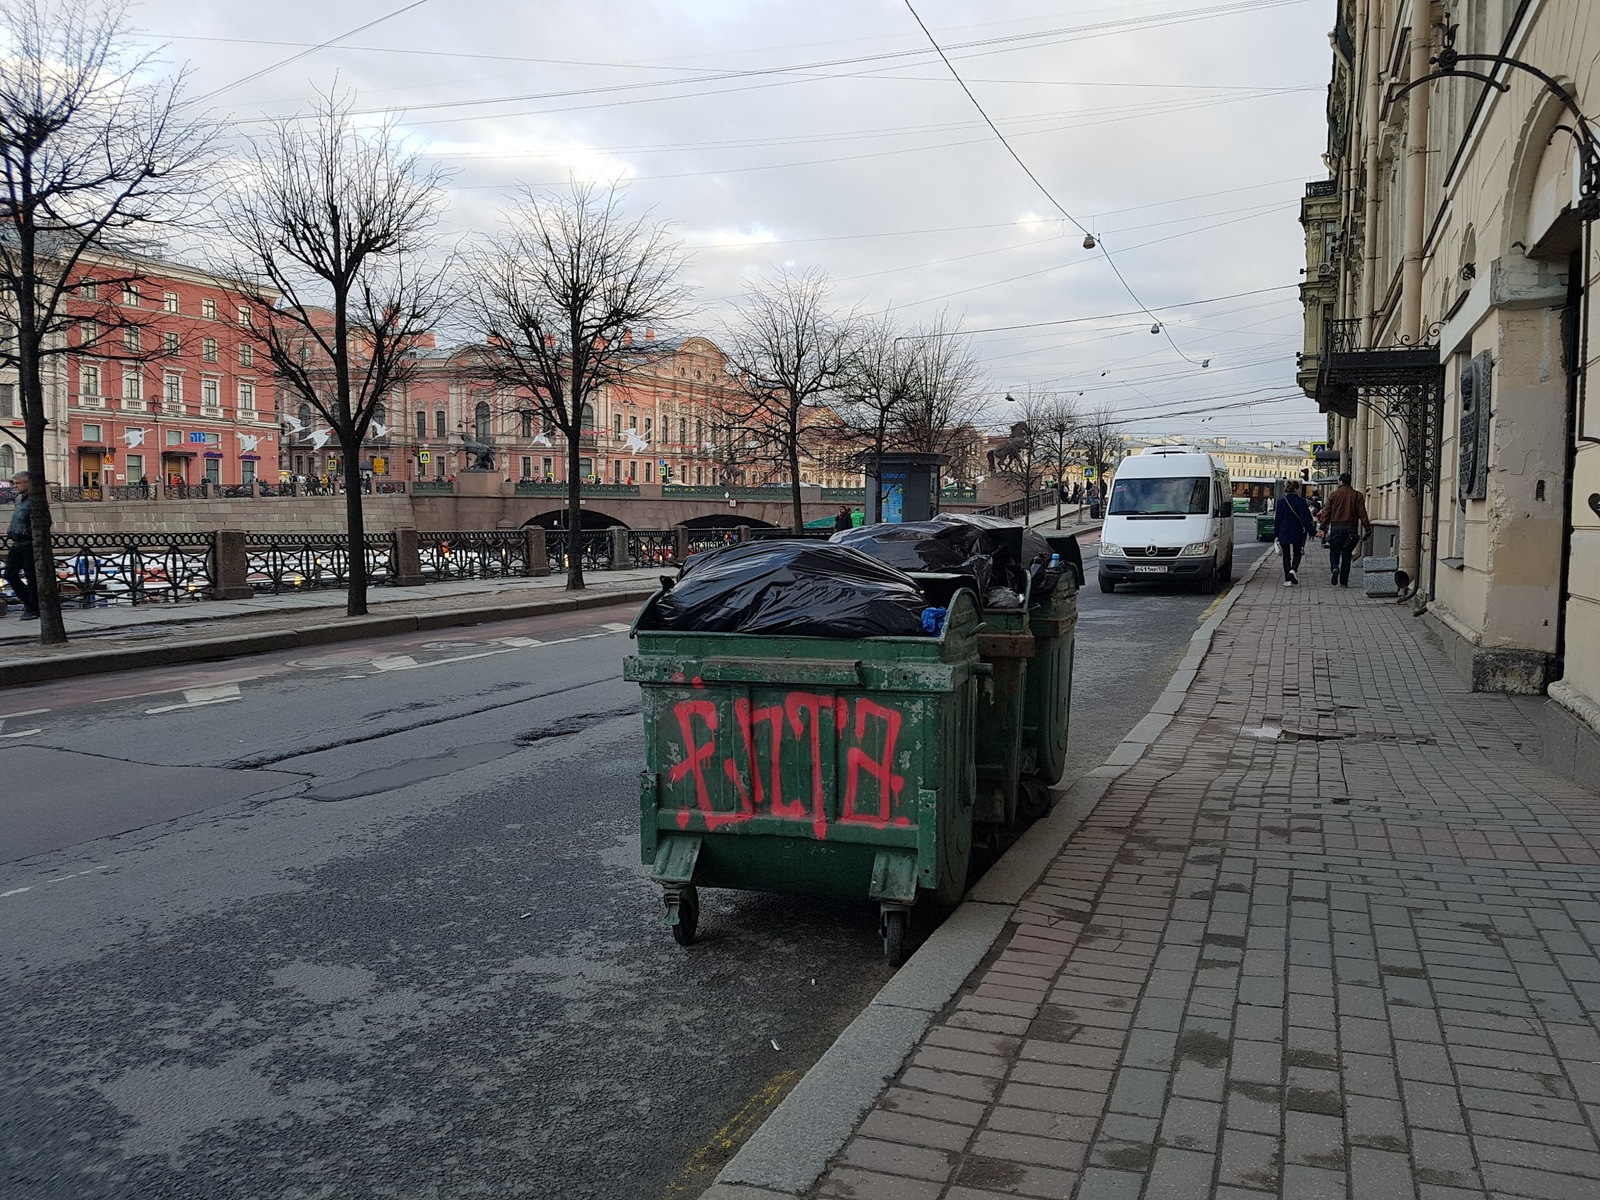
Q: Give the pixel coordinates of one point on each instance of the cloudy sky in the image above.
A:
(829, 134)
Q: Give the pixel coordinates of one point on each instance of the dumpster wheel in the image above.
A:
(1034, 799)
(684, 905)
(895, 921)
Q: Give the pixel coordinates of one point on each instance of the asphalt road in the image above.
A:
(370, 923)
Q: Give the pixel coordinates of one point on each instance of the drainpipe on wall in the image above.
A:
(1411, 264)
(1371, 58)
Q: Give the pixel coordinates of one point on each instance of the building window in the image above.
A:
(130, 340)
(170, 343)
(481, 422)
(649, 423)
(633, 424)
(208, 309)
(244, 315)
(588, 416)
(545, 465)
(89, 290)
(616, 424)
(422, 424)
(649, 472)
(169, 302)
(210, 393)
(130, 294)
(88, 379)
(616, 471)
(438, 423)
(247, 354)
(527, 467)
(247, 470)
(88, 333)
(527, 428)
(302, 354)
(699, 474)
(208, 349)
(683, 430)
(172, 390)
(699, 432)
(133, 464)
(174, 437)
(8, 400)
(305, 419)
(633, 470)
(91, 433)
(132, 386)
(213, 470)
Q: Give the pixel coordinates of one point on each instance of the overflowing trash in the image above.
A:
(799, 588)
(1005, 560)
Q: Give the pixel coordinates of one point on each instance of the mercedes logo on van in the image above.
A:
(1150, 550)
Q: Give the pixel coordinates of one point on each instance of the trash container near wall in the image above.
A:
(809, 766)
(1047, 702)
(1006, 644)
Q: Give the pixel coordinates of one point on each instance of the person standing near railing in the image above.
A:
(19, 558)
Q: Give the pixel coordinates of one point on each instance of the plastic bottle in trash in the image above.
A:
(1055, 563)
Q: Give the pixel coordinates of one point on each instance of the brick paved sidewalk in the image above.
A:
(1332, 937)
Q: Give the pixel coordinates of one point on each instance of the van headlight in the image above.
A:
(1198, 549)
(1111, 550)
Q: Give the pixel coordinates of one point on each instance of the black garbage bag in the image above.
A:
(1020, 552)
(800, 588)
(926, 546)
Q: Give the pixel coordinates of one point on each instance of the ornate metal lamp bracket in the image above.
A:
(1448, 61)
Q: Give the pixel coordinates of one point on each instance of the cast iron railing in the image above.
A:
(594, 545)
(299, 562)
(97, 569)
(652, 547)
(473, 554)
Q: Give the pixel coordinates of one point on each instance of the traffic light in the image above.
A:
(1305, 475)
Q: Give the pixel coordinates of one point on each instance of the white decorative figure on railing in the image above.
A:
(540, 439)
(248, 443)
(379, 429)
(633, 443)
(134, 437)
(319, 438)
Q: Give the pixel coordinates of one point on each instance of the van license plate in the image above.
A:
(1145, 570)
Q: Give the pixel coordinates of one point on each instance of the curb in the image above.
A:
(785, 1157)
(44, 668)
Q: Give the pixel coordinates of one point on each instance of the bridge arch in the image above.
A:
(556, 518)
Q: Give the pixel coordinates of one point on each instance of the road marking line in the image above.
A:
(27, 712)
(617, 626)
(395, 662)
(200, 697)
(22, 733)
(519, 642)
(15, 892)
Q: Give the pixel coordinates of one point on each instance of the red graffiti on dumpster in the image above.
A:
(807, 726)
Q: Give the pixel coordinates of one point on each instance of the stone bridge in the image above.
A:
(482, 502)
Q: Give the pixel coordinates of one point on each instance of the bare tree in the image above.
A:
(788, 351)
(94, 156)
(1098, 441)
(1057, 423)
(1022, 456)
(332, 222)
(871, 395)
(556, 296)
(941, 396)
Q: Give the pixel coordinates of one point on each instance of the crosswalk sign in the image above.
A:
(1090, 474)
(424, 457)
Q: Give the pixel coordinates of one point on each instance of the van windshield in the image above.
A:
(1160, 497)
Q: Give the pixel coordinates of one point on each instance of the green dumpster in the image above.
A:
(809, 766)
(1265, 527)
(1048, 699)
(1006, 644)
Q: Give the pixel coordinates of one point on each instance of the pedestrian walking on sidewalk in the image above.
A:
(842, 521)
(19, 559)
(1345, 520)
(1292, 524)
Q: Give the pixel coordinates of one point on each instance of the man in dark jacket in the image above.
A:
(842, 521)
(1292, 524)
(19, 558)
(1345, 519)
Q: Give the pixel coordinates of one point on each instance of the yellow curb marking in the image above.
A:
(693, 1178)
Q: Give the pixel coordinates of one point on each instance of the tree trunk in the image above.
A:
(355, 521)
(52, 629)
(574, 511)
(794, 480)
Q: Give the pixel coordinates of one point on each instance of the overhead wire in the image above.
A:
(1038, 183)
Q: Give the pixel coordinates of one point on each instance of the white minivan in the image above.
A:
(1169, 520)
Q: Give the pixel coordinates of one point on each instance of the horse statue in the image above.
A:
(1007, 456)
(482, 453)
